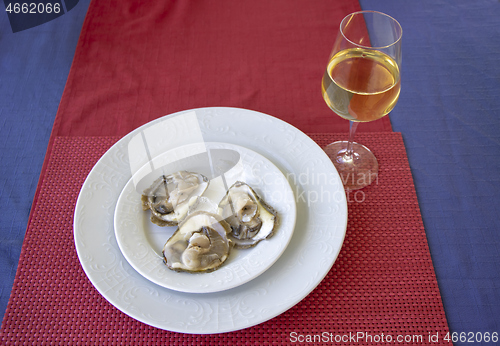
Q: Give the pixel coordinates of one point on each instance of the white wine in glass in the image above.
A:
(362, 83)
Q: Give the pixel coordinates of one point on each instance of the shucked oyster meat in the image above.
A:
(200, 244)
(250, 218)
(170, 197)
(203, 240)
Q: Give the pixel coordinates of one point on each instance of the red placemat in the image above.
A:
(381, 286)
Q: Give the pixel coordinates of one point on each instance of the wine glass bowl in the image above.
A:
(362, 83)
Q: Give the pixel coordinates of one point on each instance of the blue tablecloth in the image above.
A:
(447, 114)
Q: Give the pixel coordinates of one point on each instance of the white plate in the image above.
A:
(317, 239)
(141, 241)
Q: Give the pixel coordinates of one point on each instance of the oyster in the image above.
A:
(200, 244)
(170, 197)
(249, 217)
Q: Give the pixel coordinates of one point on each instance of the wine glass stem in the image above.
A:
(353, 125)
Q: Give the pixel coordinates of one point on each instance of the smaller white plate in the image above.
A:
(141, 242)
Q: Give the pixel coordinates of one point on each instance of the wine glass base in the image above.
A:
(357, 172)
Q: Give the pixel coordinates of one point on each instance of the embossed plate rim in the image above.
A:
(314, 247)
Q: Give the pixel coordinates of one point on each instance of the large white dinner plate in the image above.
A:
(319, 230)
(141, 241)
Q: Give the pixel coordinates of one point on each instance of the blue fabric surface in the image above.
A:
(34, 66)
(448, 115)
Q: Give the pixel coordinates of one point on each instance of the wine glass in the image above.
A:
(361, 84)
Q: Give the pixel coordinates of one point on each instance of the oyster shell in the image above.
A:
(170, 197)
(200, 244)
(250, 218)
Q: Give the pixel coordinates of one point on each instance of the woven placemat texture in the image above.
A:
(381, 286)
